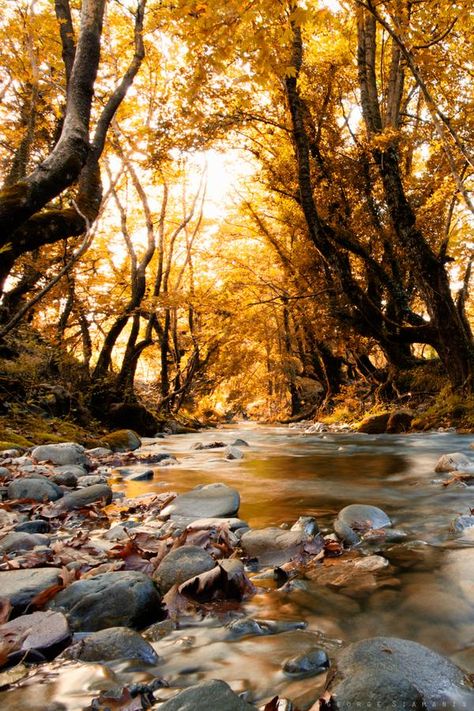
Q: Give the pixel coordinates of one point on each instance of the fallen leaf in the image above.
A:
(5, 609)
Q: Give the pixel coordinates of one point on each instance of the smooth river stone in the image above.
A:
(63, 453)
(392, 673)
(207, 501)
(456, 461)
(113, 643)
(118, 599)
(358, 519)
(182, 564)
(211, 695)
(21, 586)
(38, 489)
(273, 546)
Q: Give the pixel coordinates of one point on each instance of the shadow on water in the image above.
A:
(428, 596)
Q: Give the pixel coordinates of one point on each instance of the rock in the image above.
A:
(205, 501)
(355, 578)
(461, 523)
(66, 478)
(45, 632)
(91, 480)
(34, 488)
(391, 673)
(272, 546)
(35, 526)
(456, 461)
(18, 541)
(399, 421)
(77, 469)
(375, 424)
(10, 453)
(211, 695)
(4, 472)
(307, 524)
(239, 443)
(247, 626)
(132, 475)
(120, 531)
(231, 453)
(21, 586)
(117, 599)
(316, 428)
(99, 452)
(84, 497)
(182, 564)
(123, 441)
(354, 521)
(113, 643)
(63, 453)
(208, 445)
(316, 661)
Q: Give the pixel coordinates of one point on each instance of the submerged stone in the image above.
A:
(210, 500)
(211, 695)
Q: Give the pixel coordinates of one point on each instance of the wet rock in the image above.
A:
(355, 578)
(354, 521)
(248, 626)
(63, 453)
(34, 488)
(316, 661)
(316, 428)
(375, 424)
(182, 564)
(205, 696)
(84, 497)
(456, 461)
(307, 524)
(92, 480)
(273, 546)
(120, 531)
(21, 586)
(123, 441)
(77, 469)
(34, 526)
(4, 472)
(386, 672)
(399, 421)
(461, 523)
(133, 475)
(44, 632)
(205, 501)
(208, 445)
(113, 643)
(417, 555)
(118, 599)
(239, 443)
(231, 453)
(19, 541)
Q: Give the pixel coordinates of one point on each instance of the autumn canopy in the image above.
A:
(239, 207)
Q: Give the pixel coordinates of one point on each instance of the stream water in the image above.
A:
(428, 598)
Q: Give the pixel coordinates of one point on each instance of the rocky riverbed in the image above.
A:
(124, 599)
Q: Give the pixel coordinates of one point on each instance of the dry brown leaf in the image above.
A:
(5, 609)
(45, 596)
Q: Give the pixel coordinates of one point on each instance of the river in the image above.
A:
(428, 597)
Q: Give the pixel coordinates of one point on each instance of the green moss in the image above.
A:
(14, 438)
(122, 440)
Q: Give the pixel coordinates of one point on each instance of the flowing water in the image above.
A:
(429, 596)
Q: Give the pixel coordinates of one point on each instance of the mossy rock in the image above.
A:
(9, 445)
(42, 437)
(15, 439)
(122, 441)
(375, 424)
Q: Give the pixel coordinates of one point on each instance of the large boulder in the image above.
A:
(391, 673)
(113, 643)
(273, 546)
(399, 421)
(117, 599)
(21, 586)
(205, 501)
(63, 453)
(37, 488)
(123, 441)
(211, 695)
(375, 424)
(182, 564)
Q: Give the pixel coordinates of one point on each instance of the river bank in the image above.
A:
(415, 588)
